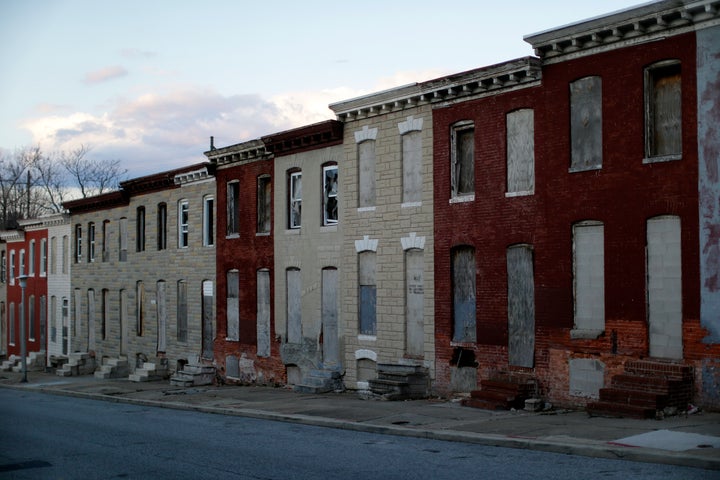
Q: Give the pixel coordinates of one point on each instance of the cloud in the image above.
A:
(105, 74)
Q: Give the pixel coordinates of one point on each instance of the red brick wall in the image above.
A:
(623, 195)
(247, 253)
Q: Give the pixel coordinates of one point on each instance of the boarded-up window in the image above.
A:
(233, 199)
(139, 308)
(412, 166)
(586, 124)
(367, 309)
(294, 305)
(521, 306)
(663, 112)
(366, 174)
(462, 168)
(294, 199)
(589, 279)
(330, 195)
(329, 313)
(520, 151)
(263, 313)
(182, 311)
(123, 239)
(415, 302)
(161, 317)
(463, 285)
(233, 305)
(264, 196)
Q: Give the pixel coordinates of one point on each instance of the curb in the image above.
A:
(594, 450)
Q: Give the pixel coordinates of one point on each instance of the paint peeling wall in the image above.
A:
(708, 101)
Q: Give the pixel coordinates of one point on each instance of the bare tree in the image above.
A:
(92, 177)
(17, 196)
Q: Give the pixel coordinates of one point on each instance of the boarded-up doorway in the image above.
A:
(331, 347)
(521, 306)
(207, 319)
(664, 287)
(414, 302)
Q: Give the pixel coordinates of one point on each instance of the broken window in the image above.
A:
(330, 195)
(3, 267)
(264, 199)
(463, 287)
(106, 240)
(208, 221)
(294, 199)
(663, 113)
(78, 243)
(233, 205)
(12, 267)
(233, 305)
(520, 151)
(589, 279)
(368, 293)
(183, 223)
(462, 153)
(586, 124)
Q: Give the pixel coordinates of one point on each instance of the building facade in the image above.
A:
(143, 269)
(246, 346)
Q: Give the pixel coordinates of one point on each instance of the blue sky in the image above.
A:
(148, 82)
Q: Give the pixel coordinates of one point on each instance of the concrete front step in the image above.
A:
(195, 374)
(114, 368)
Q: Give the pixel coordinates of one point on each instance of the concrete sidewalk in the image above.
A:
(692, 440)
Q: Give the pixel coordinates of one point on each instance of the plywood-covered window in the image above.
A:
(293, 277)
(520, 141)
(589, 279)
(233, 305)
(462, 158)
(367, 301)
(464, 294)
(521, 306)
(586, 124)
(366, 173)
(412, 166)
(663, 112)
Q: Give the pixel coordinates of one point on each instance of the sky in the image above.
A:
(147, 82)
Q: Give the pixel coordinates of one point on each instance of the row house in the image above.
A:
(35, 251)
(143, 271)
(575, 219)
(246, 350)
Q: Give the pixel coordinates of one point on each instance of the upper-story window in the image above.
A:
(53, 259)
(663, 112)
(586, 124)
(183, 223)
(91, 242)
(106, 240)
(43, 257)
(65, 254)
(411, 140)
(264, 204)
(162, 226)
(78, 243)
(462, 155)
(22, 269)
(366, 154)
(209, 221)
(3, 266)
(31, 262)
(233, 207)
(140, 229)
(330, 194)
(294, 199)
(123, 239)
(520, 143)
(12, 267)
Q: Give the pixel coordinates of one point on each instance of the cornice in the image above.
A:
(250, 151)
(318, 135)
(99, 202)
(647, 22)
(12, 235)
(193, 176)
(44, 222)
(517, 73)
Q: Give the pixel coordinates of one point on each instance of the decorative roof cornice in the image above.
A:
(648, 22)
(193, 176)
(239, 153)
(157, 181)
(318, 135)
(519, 73)
(12, 235)
(52, 220)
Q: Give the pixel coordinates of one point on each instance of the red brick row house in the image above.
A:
(571, 248)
